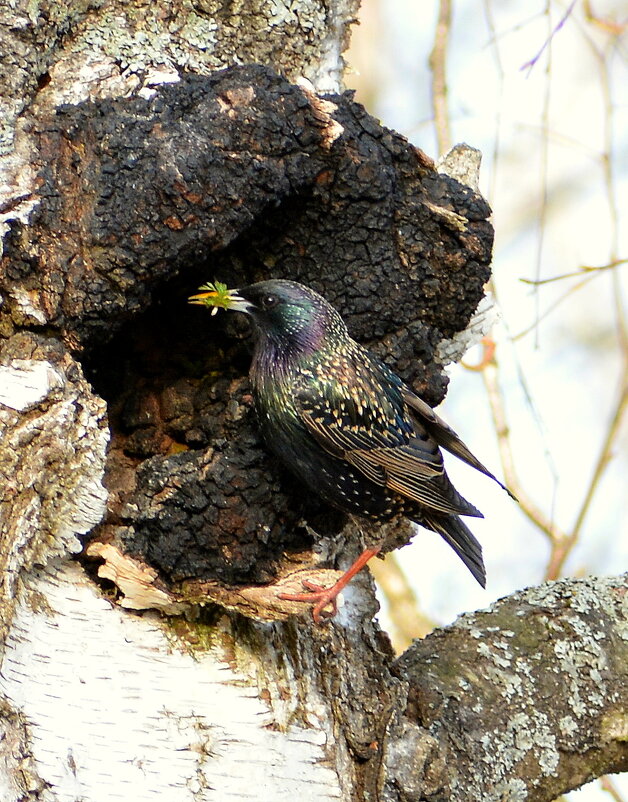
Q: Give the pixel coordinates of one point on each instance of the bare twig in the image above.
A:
(408, 622)
(499, 71)
(541, 316)
(606, 784)
(500, 424)
(605, 452)
(561, 542)
(530, 64)
(561, 550)
(562, 547)
(605, 24)
(542, 219)
(582, 269)
(438, 66)
(488, 344)
(611, 199)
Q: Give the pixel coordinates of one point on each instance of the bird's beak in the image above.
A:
(221, 299)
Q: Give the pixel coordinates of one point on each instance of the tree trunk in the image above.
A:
(144, 531)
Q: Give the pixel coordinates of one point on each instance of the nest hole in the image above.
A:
(192, 489)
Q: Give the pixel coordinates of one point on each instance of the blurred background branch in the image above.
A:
(542, 90)
(438, 67)
(606, 784)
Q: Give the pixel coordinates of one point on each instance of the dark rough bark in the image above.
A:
(133, 191)
(129, 44)
(240, 175)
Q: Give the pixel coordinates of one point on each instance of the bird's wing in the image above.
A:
(361, 416)
(444, 434)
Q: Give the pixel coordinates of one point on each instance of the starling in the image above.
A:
(349, 428)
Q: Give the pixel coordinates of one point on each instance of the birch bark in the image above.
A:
(156, 661)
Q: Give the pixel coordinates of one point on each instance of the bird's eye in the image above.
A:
(268, 301)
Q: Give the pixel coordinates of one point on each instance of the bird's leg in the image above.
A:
(327, 596)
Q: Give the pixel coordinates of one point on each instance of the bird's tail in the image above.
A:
(461, 539)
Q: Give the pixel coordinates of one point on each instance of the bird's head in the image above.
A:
(288, 314)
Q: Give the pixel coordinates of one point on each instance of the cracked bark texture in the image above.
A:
(135, 167)
(263, 177)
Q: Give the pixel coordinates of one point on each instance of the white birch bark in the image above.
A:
(101, 703)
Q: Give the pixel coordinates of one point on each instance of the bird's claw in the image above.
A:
(323, 598)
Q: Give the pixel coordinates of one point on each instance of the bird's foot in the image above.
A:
(326, 597)
(323, 598)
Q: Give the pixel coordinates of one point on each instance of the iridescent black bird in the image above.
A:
(345, 424)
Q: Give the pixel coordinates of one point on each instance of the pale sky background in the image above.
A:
(571, 363)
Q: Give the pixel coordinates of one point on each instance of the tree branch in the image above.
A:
(528, 699)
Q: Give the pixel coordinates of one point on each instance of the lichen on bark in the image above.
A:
(129, 204)
(521, 697)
